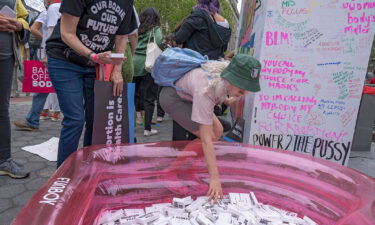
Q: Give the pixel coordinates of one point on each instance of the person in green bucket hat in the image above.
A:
(202, 88)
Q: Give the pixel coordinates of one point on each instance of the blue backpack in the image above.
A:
(174, 63)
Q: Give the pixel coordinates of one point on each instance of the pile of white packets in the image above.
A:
(235, 208)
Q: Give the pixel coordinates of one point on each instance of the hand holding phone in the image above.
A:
(8, 20)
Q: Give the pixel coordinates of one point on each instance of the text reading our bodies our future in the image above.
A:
(107, 17)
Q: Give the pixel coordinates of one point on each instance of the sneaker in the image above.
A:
(150, 132)
(44, 115)
(159, 119)
(55, 117)
(22, 125)
(13, 169)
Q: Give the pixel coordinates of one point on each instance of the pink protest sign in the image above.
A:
(36, 78)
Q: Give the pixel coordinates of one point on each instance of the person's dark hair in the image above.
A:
(169, 37)
(149, 19)
(210, 6)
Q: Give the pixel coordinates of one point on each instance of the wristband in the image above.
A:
(89, 55)
(95, 58)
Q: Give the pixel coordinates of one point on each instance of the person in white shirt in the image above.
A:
(46, 21)
(39, 29)
(52, 103)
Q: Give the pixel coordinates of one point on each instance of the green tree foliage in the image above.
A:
(173, 12)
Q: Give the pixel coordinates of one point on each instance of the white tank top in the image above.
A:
(223, 24)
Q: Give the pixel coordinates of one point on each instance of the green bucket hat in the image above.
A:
(243, 72)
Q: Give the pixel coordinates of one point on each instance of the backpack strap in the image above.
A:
(149, 37)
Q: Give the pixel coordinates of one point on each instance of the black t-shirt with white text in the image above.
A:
(100, 21)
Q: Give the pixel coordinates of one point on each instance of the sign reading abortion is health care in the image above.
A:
(114, 116)
(36, 78)
(314, 56)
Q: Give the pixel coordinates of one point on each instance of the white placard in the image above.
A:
(36, 4)
(314, 56)
(47, 150)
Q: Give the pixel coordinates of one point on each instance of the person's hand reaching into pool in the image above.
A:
(215, 192)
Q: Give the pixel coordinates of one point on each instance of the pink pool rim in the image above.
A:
(100, 178)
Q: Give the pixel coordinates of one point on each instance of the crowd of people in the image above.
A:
(75, 37)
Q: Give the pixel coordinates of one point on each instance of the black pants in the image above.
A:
(160, 111)
(148, 93)
(6, 74)
(138, 96)
(180, 134)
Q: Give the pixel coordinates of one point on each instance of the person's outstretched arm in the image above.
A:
(207, 136)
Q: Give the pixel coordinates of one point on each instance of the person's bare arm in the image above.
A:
(34, 29)
(116, 76)
(68, 35)
(206, 135)
(133, 40)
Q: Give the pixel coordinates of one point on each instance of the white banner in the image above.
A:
(314, 56)
(38, 5)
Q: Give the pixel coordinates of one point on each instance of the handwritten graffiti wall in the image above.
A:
(245, 44)
(246, 40)
(314, 55)
(255, 39)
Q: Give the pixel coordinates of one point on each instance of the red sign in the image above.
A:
(36, 78)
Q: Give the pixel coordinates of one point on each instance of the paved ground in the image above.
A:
(15, 193)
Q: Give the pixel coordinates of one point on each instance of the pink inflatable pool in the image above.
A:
(100, 178)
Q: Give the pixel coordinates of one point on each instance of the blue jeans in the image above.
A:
(74, 86)
(33, 52)
(33, 116)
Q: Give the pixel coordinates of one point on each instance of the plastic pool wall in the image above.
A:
(100, 178)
